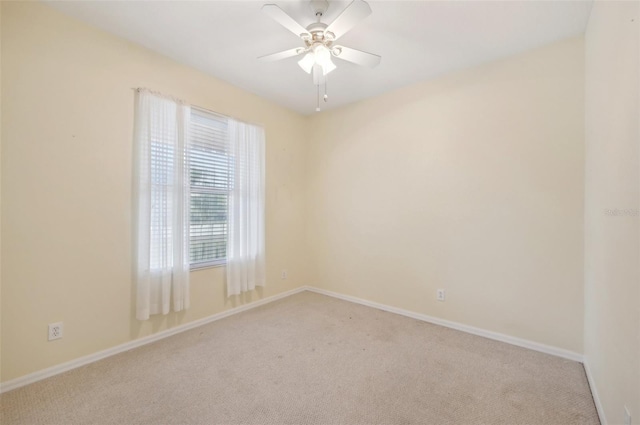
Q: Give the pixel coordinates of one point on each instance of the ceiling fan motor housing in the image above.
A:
(318, 34)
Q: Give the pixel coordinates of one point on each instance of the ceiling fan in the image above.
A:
(319, 39)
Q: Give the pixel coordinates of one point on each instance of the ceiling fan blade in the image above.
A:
(281, 17)
(354, 13)
(281, 55)
(356, 56)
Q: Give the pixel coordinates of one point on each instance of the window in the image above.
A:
(199, 201)
(210, 171)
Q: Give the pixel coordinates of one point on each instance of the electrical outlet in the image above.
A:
(55, 331)
(440, 295)
(284, 274)
(627, 416)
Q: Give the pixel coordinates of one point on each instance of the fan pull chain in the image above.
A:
(318, 99)
(326, 97)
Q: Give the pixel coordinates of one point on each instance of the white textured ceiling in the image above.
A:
(416, 39)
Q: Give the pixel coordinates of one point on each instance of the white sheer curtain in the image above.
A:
(161, 199)
(245, 246)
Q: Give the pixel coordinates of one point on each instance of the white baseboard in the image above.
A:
(64, 367)
(594, 392)
(555, 351)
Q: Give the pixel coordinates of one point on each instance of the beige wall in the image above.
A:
(0, 194)
(472, 182)
(612, 275)
(66, 186)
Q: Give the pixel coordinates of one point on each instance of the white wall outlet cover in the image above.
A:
(440, 294)
(55, 331)
(284, 274)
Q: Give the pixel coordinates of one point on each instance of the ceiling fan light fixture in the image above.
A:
(323, 58)
(328, 67)
(306, 63)
(320, 55)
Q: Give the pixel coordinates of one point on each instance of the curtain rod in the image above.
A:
(159, 94)
(199, 108)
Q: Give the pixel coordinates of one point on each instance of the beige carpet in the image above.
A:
(311, 359)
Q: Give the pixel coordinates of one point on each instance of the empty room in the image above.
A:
(320, 212)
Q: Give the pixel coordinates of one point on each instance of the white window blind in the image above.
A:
(211, 170)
